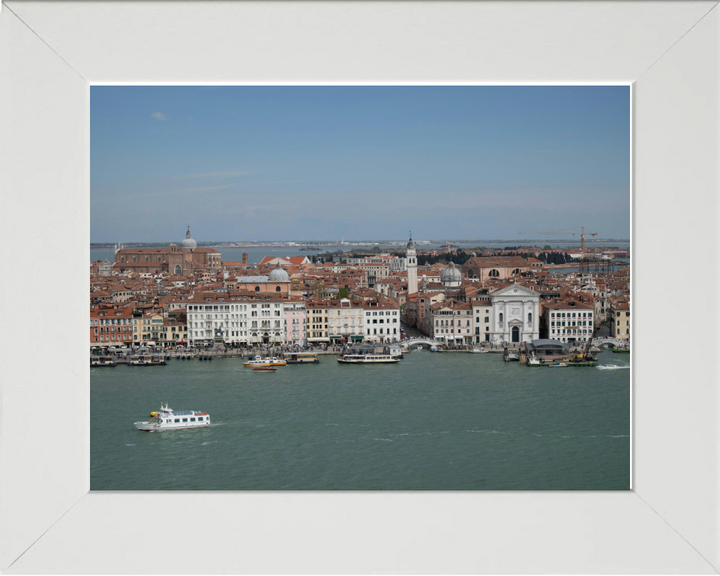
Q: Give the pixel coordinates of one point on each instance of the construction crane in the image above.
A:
(582, 234)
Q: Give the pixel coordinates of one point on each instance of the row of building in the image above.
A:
(187, 295)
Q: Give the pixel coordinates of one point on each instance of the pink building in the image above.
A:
(294, 321)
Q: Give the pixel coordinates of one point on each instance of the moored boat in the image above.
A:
(102, 361)
(265, 362)
(368, 359)
(167, 419)
(147, 360)
(302, 358)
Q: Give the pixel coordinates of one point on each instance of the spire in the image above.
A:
(187, 235)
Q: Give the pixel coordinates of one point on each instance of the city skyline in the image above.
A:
(323, 163)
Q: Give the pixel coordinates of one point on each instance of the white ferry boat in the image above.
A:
(265, 362)
(167, 419)
(368, 359)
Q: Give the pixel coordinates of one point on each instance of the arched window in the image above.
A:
(501, 317)
(178, 270)
(257, 288)
(529, 316)
(134, 258)
(277, 288)
(516, 334)
(493, 273)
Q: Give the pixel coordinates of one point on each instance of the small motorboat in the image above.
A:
(558, 364)
(534, 362)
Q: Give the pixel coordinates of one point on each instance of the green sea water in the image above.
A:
(433, 421)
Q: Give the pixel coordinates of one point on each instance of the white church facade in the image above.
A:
(515, 314)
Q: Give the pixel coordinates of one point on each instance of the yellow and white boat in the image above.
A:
(265, 362)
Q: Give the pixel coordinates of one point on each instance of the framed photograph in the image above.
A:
(53, 53)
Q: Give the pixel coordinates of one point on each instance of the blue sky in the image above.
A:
(371, 162)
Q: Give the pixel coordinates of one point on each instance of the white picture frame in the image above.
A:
(50, 53)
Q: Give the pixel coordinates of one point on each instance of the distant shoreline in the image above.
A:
(357, 244)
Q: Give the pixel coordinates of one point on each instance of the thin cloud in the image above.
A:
(159, 116)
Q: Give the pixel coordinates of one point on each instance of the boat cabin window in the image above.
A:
(200, 419)
(184, 419)
(192, 419)
(177, 419)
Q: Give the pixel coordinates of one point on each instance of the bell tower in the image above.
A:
(411, 267)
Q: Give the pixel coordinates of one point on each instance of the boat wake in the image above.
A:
(612, 367)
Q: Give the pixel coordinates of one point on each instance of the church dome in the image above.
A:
(278, 275)
(188, 242)
(451, 277)
(411, 245)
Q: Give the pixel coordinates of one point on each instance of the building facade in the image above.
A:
(382, 320)
(317, 322)
(620, 327)
(111, 327)
(569, 320)
(294, 311)
(345, 321)
(452, 322)
(515, 314)
(186, 260)
(482, 315)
